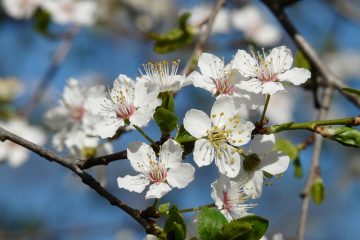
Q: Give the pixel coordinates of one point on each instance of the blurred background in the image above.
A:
(41, 200)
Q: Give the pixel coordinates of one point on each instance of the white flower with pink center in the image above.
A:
(127, 103)
(219, 136)
(266, 73)
(221, 79)
(161, 75)
(162, 175)
(230, 197)
(72, 114)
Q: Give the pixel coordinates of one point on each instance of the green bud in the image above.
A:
(89, 152)
(251, 162)
(344, 135)
(318, 191)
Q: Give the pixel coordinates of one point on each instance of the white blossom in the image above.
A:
(277, 236)
(219, 135)
(251, 21)
(220, 79)
(10, 88)
(261, 158)
(20, 9)
(82, 12)
(162, 76)
(72, 114)
(14, 153)
(126, 103)
(162, 175)
(230, 197)
(266, 73)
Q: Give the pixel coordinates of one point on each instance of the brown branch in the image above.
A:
(85, 177)
(328, 77)
(315, 163)
(102, 160)
(57, 59)
(199, 48)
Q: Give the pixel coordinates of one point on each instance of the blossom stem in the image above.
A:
(197, 208)
(145, 136)
(265, 108)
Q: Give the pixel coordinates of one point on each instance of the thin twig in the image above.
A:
(57, 59)
(85, 177)
(308, 51)
(315, 163)
(191, 63)
(102, 160)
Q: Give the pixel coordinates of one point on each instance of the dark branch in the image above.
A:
(102, 160)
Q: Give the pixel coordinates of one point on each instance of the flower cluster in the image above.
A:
(86, 117)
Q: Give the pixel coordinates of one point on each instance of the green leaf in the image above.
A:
(184, 136)
(164, 208)
(175, 226)
(318, 191)
(168, 101)
(210, 222)
(300, 61)
(298, 173)
(165, 119)
(352, 90)
(345, 135)
(286, 147)
(247, 228)
(42, 21)
(174, 39)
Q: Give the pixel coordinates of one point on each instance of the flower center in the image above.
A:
(157, 173)
(78, 113)
(125, 111)
(217, 135)
(224, 85)
(226, 202)
(161, 71)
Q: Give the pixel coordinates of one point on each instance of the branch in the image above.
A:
(199, 48)
(58, 58)
(311, 126)
(85, 177)
(315, 162)
(102, 160)
(308, 51)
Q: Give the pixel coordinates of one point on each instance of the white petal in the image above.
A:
(146, 94)
(57, 118)
(217, 190)
(18, 156)
(228, 161)
(140, 154)
(251, 100)
(245, 63)
(180, 175)
(222, 110)
(170, 153)
(295, 75)
(202, 82)
(240, 131)
(107, 127)
(270, 88)
(142, 116)
(73, 93)
(262, 144)
(203, 152)
(280, 58)
(253, 85)
(157, 190)
(97, 105)
(150, 237)
(275, 163)
(133, 183)
(210, 65)
(254, 186)
(267, 35)
(197, 123)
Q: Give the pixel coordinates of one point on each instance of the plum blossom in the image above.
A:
(276, 236)
(14, 153)
(219, 136)
(20, 9)
(260, 159)
(221, 79)
(230, 197)
(266, 73)
(162, 175)
(81, 12)
(251, 21)
(126, 103)
(72, 114)
(160, 74)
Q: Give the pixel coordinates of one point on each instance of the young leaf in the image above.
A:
(183, 136)
(345, 135)
(318, 191)
(175, 226)
(165, 119)
(168, 101)
(42, 21)
(210, 222)
(287, 147)
(164, 208)
(300, 61)
(298, 173)
(352, 90)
